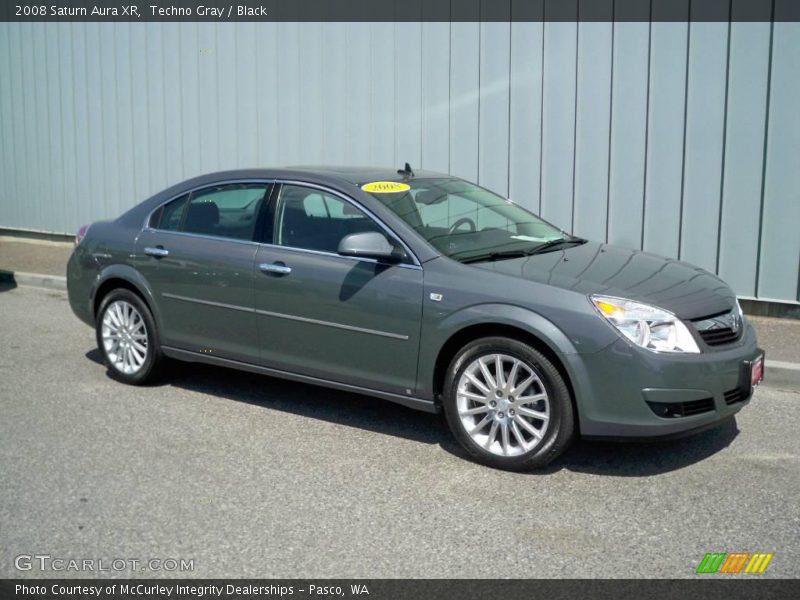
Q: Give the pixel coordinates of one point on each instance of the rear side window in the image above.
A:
(168, 217)
(227, 211)
(222, 211)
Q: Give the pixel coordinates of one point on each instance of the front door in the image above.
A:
(349, 320)
(197, 255)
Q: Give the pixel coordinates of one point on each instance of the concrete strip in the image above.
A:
(49, 282)
(37, 256)
(779, 364)
(24, 240)
(782, 375)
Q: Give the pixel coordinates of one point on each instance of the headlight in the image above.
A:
(646, 326)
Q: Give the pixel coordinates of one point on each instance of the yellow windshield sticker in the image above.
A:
(385, 187)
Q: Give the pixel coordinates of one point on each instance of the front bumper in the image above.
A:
(624, 391)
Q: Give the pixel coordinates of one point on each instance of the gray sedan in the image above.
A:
(422, 289)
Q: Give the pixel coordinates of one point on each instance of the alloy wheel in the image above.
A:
(125, 339)
(503, 404)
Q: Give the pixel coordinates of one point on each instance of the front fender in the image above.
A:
(436, 335)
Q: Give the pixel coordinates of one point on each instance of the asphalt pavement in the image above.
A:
(250, 476)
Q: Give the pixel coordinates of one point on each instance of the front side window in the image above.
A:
(466, 222)
(310, 219)
(222, 211)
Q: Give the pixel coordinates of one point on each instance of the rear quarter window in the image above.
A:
(168, 217)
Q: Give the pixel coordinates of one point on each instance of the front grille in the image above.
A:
(718, 337)
(721, 329)
(671, 410)
(734, 396)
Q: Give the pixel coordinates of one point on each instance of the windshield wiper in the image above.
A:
(490, 256)
(541, 248)
(504, 254)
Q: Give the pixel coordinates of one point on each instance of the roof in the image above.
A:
(343, 179)
(359, 175)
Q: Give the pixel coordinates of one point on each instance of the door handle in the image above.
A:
(158, 251)
(275, 268)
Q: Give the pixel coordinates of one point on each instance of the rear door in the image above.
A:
(349, 320)
(197, 255)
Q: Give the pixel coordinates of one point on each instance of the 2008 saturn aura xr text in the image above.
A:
(422, 289)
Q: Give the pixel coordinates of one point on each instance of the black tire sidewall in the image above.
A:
(560, 428)
(148, 371)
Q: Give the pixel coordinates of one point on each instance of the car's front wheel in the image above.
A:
(507, 404)
(127, 339)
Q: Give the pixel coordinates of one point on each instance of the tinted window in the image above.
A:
(465, 221)
(225, 211)
(453, 209)
(310, 219)
(169, 216)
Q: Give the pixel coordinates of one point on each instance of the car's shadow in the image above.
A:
(7, 281)
(625, 459)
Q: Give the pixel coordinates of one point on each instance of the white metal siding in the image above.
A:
(683, 139)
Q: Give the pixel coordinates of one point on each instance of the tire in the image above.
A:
(512, 418)
(125, 321)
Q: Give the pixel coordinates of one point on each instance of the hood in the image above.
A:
(683, 289)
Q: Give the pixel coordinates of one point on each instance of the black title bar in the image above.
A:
(708, 588)
(400, 10)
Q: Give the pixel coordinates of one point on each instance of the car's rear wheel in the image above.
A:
(127, 338)
(507, 404)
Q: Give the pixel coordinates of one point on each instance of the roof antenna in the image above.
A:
(406, 171)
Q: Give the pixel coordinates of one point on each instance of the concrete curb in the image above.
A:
(67, 245)
(780, 374)
(49, 282)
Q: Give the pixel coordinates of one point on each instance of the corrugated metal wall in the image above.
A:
(681, 138)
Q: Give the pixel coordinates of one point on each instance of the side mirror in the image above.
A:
(370, 244)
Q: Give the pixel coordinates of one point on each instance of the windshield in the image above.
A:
(464, 221)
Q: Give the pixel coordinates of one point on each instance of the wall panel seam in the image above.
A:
(683, 149)
(610, 117)
(764, 152)
(510, 88)
(575, 115)
(646, 124)
(541, 111)
(724, 137)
